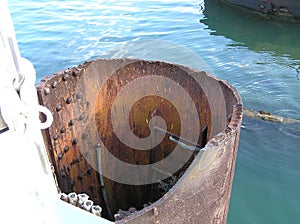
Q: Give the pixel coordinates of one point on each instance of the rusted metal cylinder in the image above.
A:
(89, 104)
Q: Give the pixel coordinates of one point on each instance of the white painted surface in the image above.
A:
(28, 191)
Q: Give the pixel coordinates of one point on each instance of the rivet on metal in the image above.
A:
(72, 122)
(65, 77)
(54, 84)
(66, 149)
(81, 117)
(58, 107)
(62, 130)
(89, 171)
(59, 156)
(55, 136)
(46, 91)
(75, 141)
(78, 95)
(69, 100)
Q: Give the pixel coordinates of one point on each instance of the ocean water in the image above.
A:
(258, 55)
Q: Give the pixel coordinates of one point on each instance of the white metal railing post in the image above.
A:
(28, 185)
(28, 190)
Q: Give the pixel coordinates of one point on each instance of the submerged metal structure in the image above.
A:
(82, 139)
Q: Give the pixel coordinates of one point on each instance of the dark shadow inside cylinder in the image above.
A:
(72, 145)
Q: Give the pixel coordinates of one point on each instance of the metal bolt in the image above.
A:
(75, 141)
(55, 136)
(54, 84)
(58, 107)
(62, 130)
(66, 149)
(72, 122)
(89, 171)
(69, 100)
(46, 91)
(59, 156)
(65, 77)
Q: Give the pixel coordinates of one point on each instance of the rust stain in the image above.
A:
(72, 142)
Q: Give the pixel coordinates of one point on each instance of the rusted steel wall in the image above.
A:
(202, 195)
(81, 98)
(61, 95)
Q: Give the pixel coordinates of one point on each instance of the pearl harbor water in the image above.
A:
(258, 55)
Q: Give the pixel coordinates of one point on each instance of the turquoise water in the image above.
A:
(260, 56)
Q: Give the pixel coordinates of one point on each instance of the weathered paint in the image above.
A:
(277, 7)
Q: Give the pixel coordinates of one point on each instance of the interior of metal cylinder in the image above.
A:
(88, 103)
